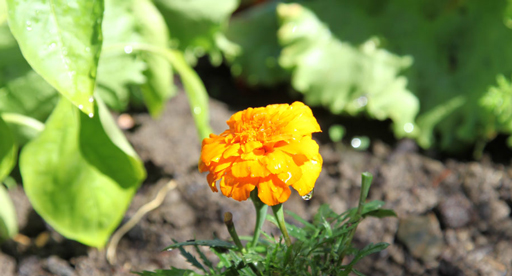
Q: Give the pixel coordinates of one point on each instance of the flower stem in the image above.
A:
(278, 212)
(261, 214)
(228, 220)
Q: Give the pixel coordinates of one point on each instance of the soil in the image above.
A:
(454, 216)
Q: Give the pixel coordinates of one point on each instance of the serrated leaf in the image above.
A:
(191, 259)
(343, 77)
(70, 188)
(255, 32)
(122, 68)
(205, 21)
(8, 223)
(62, 41)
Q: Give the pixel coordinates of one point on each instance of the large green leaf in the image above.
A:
(62, 41)
(344, 77)
(122, 68)
(80, 173)
(8, 224)
(255, 32)
(196, 26)
(8, 150)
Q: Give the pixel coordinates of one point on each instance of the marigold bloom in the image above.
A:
(266, 147)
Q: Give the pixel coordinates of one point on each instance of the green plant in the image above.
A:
(320, 246)
(61, 64)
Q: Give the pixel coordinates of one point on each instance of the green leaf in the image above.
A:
(381, 213)
(62, 41)
(343, 77)
(8, 224)
(218, 244)
(8, 150)
(22, 90)
(196, 26)
(191, 259)
(80, 174)
(121, 68)
(255, 32)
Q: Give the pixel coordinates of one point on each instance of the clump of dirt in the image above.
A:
(453, 217)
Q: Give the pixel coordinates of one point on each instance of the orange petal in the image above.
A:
(300, 120)
(231, 150)
(283, 166)
(211, 182)
(238, 188)
(249, 168)
(273, 191)
(310, 172)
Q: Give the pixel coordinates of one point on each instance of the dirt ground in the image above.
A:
(453, 217)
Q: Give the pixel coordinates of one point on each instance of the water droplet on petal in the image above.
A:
(308, 196)
(80, 106)
(128, 49)
(91, 115)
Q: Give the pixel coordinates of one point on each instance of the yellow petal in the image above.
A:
(310, 172)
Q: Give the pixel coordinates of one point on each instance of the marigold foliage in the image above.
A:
(269, 148)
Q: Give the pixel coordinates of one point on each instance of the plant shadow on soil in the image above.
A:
(453, 213)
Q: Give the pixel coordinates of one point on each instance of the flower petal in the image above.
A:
(273, 191)
(251, 168)
(306, 146)
(283, 166)
(238, 188)
(310, 172)
(300, 120)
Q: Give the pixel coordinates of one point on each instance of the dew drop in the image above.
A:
(80, 106)
(362, 101)
(197, 110)
(408, 127)
(91, 99)
(29, 28)
(91, 115)
(88, 49)
(128, 49)
(308, 196)
(28, 23)
(355, 143)
(51, 46)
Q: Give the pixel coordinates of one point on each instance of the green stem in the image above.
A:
(278, 212)
(228, 220)
(19, 119)
(261, 214)
(194, 87)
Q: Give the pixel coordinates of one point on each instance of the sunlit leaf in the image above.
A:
(80, 173)
(21, 89)
(343, 77)
(196, 26)
(62, 41)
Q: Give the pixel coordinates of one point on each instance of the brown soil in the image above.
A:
(454, 217)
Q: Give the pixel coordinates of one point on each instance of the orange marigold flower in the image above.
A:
(266, 147)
